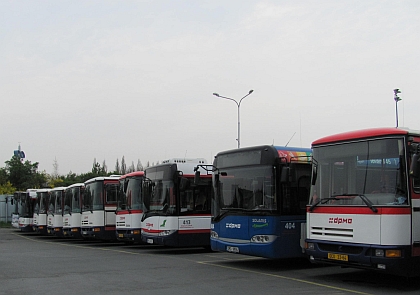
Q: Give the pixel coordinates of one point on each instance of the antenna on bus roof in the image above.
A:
(290, 138)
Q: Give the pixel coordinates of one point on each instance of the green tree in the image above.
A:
(7, 189)
(117, 168)
(24, 175)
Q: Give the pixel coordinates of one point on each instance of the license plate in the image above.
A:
(150, 241)
(121, 235)
(84, 232)
(340, 257)
(232, 249)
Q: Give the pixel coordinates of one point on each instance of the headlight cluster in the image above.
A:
(391, 253)
(262, 239)
(166, 232)
(214, 235)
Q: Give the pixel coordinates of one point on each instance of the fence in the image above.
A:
(6, 208)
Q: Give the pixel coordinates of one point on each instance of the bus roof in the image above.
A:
(100, 178)
(133, 174)
(365, 133)
(76, 185)
(31, 192)
(284, 152)
(196, 161)
(59, 188)
(185, 165)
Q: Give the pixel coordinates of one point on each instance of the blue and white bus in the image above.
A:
(259, 200)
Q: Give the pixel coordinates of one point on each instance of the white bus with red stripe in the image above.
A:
(55, 211)
(178, 210)
(130, 207)
(40, 211)
(364, 207)
(72, 215)
(98, 208)
(26, 204)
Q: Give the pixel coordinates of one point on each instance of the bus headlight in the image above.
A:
(262, 239)
(166, 232)
(310, 246)
(214, 235)
(390, 253)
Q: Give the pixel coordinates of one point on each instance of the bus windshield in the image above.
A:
(41, 203)
(92, 198)
(370, 172)
(129, 195)
(159, 196)
(59, 197)
(246, 189)
(23, 205)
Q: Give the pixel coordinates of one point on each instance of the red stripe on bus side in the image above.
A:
(129, 211)
(361, 210)
(194, 231)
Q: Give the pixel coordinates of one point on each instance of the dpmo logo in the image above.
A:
(340, 220)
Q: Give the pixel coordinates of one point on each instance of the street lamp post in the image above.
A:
(238, 105)
(397, 99)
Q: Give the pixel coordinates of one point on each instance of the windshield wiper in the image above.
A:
(368, 203)
(364, 199)
(345, 196)
(322, 201)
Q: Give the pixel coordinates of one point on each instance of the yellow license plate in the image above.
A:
(121, 235)
(341, 257)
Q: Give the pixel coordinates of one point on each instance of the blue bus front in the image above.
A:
(259, 200)
(261, 236)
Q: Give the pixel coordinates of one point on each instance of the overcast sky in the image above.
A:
(104, 79)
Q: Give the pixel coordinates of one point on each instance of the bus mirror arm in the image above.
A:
(197, 177)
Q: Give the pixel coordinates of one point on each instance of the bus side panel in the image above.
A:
(415, 227)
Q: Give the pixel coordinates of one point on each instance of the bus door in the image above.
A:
(415, 220)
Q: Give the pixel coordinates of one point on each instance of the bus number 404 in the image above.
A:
(290, 225)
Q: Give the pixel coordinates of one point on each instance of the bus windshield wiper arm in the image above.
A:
(368, 203)
(364, 199)
(322, 201)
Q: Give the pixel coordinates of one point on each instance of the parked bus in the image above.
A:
(55, 212)
(26, 207)
(177, 207)
(130, 207)
(40, 211)
(72, 214)
(259, 200)
(15, 212)
(364, 206)
(99, 204)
